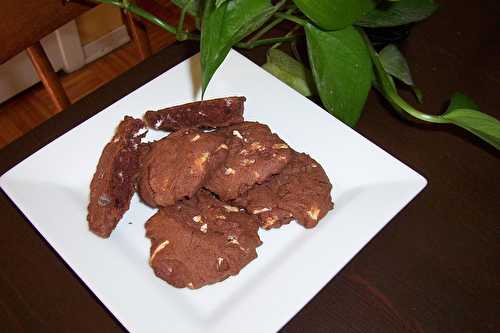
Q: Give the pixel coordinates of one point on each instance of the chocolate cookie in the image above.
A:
(301, 191)
(255, 154)
(204, 114)
(177, 166)
(114, 180)
(201, 241)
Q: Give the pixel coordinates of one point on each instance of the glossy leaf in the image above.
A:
(395, 64)
(391, 14)
(226, 25)
(290, 71)
(342, 70)
(193, 6)
(335, 14)
(459, 112)
(484, 126)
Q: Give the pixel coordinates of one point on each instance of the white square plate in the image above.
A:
(51, 187)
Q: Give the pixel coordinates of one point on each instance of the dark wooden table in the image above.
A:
(434, 268)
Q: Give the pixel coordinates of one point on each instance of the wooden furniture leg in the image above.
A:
(137, 32)
(48, 76)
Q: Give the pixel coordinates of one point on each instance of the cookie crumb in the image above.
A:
(197, 218)
(195, 138)
(204, 228)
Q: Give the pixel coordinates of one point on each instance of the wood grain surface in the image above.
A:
(434, 268)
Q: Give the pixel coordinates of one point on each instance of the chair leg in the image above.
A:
(48, 77)
(137, 32)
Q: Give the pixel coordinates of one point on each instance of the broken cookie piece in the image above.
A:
(255, 154)
(203, 114)
(114, 180)
(198, 242)
(177, 166)
(300, 191)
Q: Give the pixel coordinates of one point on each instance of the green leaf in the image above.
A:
(342, 70)
(484, 126)
(395, 64)
(391, 14)
(290, 71)
(226, 25)
(335, 14)
(193, 6)
(459, 112)
(460, 101)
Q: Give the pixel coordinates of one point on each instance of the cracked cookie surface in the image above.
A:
(300, 191)
(177, 166)
(255, 154)
(201, 241)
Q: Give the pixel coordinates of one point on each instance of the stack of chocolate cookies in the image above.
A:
(214, 179)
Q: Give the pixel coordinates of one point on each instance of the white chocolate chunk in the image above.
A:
(247, 162)
(258, 211)
(231, 208)
(158, 249)
(229, 171)
(313, 213)
(237, 134)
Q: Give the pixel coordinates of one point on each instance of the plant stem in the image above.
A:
(146, 15)
(292, 18)
(290, 33)
(271, 25)
(390, 92)
(180, 34)
(267, 41)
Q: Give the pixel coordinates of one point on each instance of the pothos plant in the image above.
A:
(343, 63)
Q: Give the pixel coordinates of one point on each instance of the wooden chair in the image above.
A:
(24, 23)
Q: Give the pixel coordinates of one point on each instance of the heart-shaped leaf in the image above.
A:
(391, 14)
(335, 14)
(226, 25)
(342, 70)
